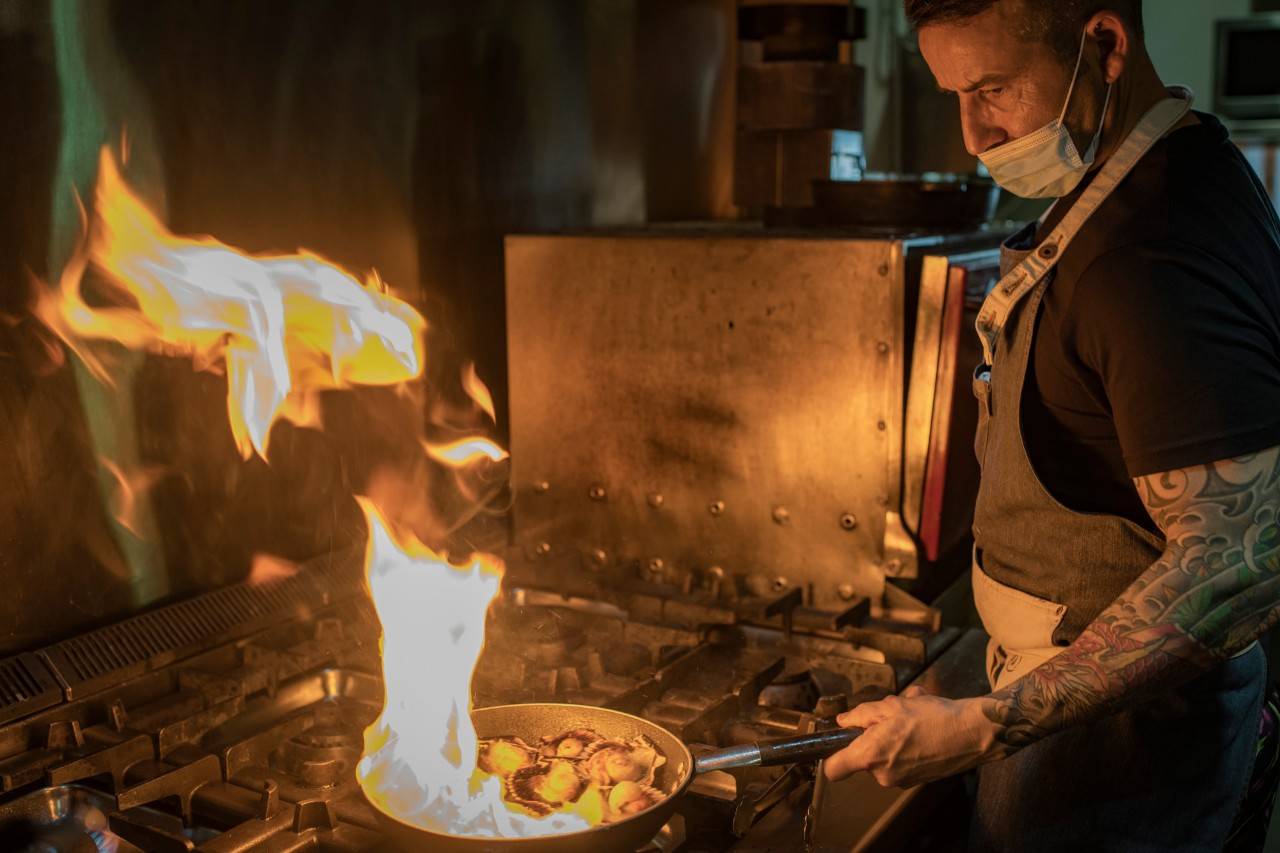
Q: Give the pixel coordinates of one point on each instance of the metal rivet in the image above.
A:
(656, 565)
(716, 572)
(849, 521)
(884, 269)
(781, 515)
(596, 492)
(881, 425)
(846, 592)
(893, 568)
(656, 500)
(599, 557)
(779, 584)
(542, 488)
(882, 348)
(716, 507)
(543, 549)
(1049, 252)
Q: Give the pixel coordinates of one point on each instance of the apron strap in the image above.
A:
(1010, 290)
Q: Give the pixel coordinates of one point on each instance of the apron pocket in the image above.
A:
(1020, 624)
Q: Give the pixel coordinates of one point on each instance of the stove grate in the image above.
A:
(110, 655)
(26, 686)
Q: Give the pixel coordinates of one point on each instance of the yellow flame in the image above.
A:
(465, 451)
(419, 761)
(478, 391)
(284, 328)
(267, 568)
(281, 325)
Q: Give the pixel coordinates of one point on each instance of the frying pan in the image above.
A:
(533, 721)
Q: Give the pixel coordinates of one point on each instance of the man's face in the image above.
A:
(1009, 84)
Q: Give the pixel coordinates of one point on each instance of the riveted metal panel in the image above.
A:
(706, 401)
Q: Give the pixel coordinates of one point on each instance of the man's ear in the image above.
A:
(1115, 43)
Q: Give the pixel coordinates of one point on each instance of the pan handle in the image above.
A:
(770, 753)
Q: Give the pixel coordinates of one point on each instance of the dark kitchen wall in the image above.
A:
(403, 136)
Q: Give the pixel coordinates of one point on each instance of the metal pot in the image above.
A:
(531, 722)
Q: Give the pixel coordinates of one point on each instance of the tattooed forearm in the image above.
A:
(1215, 589)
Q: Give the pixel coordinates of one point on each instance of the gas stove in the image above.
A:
(233, 721)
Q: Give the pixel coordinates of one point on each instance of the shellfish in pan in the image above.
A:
(570, 744)
(546, 787)
(628, 798)
(610, 762)
(503, 756)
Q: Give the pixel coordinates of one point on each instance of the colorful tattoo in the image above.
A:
(1215, 589)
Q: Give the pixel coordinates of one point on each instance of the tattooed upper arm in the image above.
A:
(1219, 577)
(1215, 588)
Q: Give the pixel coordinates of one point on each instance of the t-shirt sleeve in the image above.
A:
(1188, 352)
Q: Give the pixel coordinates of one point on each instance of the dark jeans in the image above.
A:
(1167, 775)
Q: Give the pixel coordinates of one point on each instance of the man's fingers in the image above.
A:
(866, 714)
(852, 759)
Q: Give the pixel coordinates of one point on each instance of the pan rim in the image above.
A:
(686, 776)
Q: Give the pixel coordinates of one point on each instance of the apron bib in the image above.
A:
(1027, 629)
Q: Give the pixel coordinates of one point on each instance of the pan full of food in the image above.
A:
(621, 774)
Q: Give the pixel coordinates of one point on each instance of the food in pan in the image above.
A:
(571, 744)
(628, 798)
(545, 787)
(610, 762)
(502, 756)
(579, 770)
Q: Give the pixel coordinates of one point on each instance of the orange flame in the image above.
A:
(267, 568)
(478, 391)
(283, 326)
(464, 451)
(419, 755)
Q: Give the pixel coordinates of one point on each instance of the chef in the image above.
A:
(1127, 524)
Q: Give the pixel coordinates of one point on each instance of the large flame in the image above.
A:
(419, 759)
(283, 327)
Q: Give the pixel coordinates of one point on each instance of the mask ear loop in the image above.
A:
(1075, 75)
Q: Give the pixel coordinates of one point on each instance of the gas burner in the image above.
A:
(317, 765)
(541, 636)
(324, 755)
(336, 725)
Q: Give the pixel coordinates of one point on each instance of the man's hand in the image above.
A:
(916, 738)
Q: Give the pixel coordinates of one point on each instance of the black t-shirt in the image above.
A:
(1158, 343)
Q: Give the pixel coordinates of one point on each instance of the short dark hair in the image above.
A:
(1057, 22)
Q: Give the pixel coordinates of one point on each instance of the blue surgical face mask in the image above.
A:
(1046, 163)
